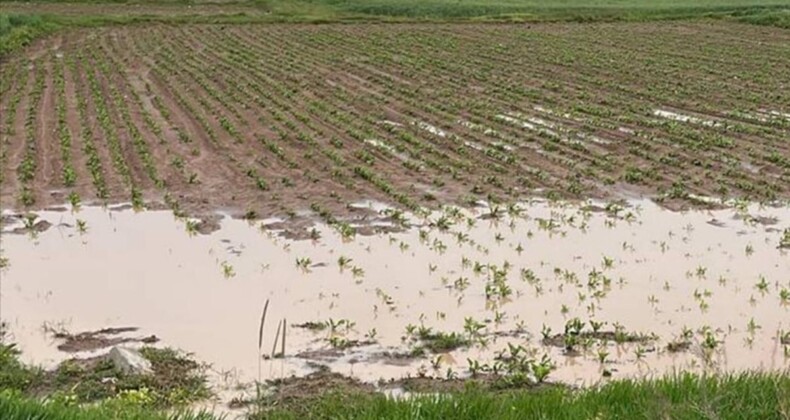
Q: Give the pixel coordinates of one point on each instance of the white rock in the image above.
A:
(130, 361)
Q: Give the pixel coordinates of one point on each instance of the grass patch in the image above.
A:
(687, 396)
(19, 30)
(326, 395)
(13, 374)
(15, 406)
(743, 396)
(28, 392)
(425, 339)
(176, 380)
(556, 10)
(779, 18)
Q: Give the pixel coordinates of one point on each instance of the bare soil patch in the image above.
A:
(99, 339)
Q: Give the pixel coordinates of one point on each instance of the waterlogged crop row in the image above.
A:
(27, 169)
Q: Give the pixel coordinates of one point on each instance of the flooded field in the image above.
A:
(302, 209)
(590, 291)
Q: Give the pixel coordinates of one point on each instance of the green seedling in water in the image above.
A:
(574, 326)
(343, 262)
(785, 241)
(602, 355)
(639, 352)
(461, 238)
(784, 296)
(347, 232)
(192, 227)
(371, 334)
(436, 363)
(335, 326)
(29, 221)
(620, 335)
(227, 270)
(74, 200)
(709, 343)
(752, 326)
(357, 272)
(479, 268)
(545, 332)
(82, 226)
(461, 283)
(686, 333)
(608, 262)
(304, 263)
(472, 327)
(137, 199)
(475, 368)
(443, 223)
(315, 234)
(339, 343)
(596, 326)
(424, 237)
(762, 285)
(542, 369)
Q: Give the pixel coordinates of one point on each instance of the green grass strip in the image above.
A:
(742, 396)
(14, 406)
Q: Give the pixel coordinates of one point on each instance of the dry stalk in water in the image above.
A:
(276, 338)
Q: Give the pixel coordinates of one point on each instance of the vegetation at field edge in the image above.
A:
(14, 406)
(748, 395)
(687, 396)
(96, 389)
(19, 28)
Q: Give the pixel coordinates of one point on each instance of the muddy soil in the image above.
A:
(104, 338)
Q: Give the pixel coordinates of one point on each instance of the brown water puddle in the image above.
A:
(653, 271)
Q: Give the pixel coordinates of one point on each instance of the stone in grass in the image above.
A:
(130, 361)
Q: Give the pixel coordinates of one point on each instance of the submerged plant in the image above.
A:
(343, 262)
(82, 226)
(784, 242)
(192, 227)
(762, 285)
(304, 263)
(227, 270)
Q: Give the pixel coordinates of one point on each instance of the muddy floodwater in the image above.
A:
(702, 289)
